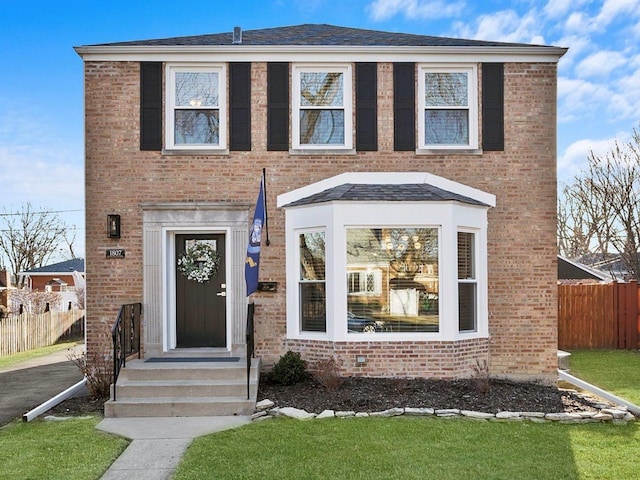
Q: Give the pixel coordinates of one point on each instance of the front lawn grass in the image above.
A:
(616, 371)
(36, 352)
(69, 449)
(414, 448)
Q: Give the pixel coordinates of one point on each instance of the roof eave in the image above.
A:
(166, 52)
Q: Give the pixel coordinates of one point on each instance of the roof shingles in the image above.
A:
(414, 192)
(316, 34)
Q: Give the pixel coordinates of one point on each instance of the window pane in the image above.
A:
(446, 90)
(466, 263)
(322, 127)
(466, 306)
(197, 127)
(312, 256)
(446, 127)
(196, 89)
(312, 307)
(393, 280)
(321, 89)
(312, 286)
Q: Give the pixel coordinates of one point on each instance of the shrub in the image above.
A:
(481, 378)
(327, 373)
(290, 369)
(99, 373)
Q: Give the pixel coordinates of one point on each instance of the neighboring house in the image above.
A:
(5, 286)
(66, 278)
(411, 185)
(570, 271)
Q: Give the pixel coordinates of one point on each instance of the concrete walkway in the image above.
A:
(159, 443)
(27, 384)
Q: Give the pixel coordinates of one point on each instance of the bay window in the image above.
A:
(375, 257)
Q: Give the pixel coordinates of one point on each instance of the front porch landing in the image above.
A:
(180, 385)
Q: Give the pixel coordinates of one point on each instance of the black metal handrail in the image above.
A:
(126, 338)
(250, 345)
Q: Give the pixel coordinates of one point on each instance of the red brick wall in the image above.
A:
(521, 234)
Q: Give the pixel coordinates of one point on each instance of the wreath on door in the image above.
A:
(199, 262)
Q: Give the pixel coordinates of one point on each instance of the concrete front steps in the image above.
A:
(182, 388)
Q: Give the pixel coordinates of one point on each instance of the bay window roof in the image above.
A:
(412, 192)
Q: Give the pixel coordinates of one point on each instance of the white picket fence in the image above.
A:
(19, 333)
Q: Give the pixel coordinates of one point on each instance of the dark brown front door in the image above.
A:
(201, 307)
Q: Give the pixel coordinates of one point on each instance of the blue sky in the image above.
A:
(41, 116)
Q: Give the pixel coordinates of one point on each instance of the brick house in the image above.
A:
(411, 191)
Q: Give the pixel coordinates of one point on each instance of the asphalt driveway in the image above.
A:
(26, 385)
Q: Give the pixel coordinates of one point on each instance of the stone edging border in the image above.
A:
(616, 414)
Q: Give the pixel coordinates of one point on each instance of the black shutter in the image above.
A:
(404, 107)
(493, 106)
(240, 106)
(367, 107)
(278, 106)
(151, 106)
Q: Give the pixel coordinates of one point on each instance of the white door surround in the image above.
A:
(161, 222)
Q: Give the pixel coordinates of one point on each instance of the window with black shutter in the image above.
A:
(240, 106)
(493, 106)
(404, 105)
(277, 106)
(150, 106)
(366, 107)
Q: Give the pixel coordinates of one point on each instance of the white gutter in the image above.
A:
(635, 409)
(496, 53)
(49, 404)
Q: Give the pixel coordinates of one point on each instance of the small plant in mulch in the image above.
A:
(327, 373)
(98, 372)
(481, 379)
(290, 369)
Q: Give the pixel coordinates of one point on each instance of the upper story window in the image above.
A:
(196, 108)
(447, 107)
(322, 110)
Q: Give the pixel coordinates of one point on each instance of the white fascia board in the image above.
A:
(313, 53)
(387, 178)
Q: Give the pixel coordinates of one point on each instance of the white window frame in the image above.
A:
(221, 70)
(335, 218)
(347, 106)
(301, 281)
(472, 105)
(472, 281)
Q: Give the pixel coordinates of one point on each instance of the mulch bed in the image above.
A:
(378, 394)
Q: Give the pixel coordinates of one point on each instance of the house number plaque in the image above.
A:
(115, 252)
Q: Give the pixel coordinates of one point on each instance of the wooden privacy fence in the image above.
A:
(598, 316)
(19, 333)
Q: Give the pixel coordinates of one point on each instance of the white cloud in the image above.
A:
(600, 64)
(504, 26)
(414, 9)
(577, 45)
(555, 9)
(575, 157)
(611, 9)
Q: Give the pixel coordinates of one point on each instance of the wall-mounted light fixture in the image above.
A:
(113, 226)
